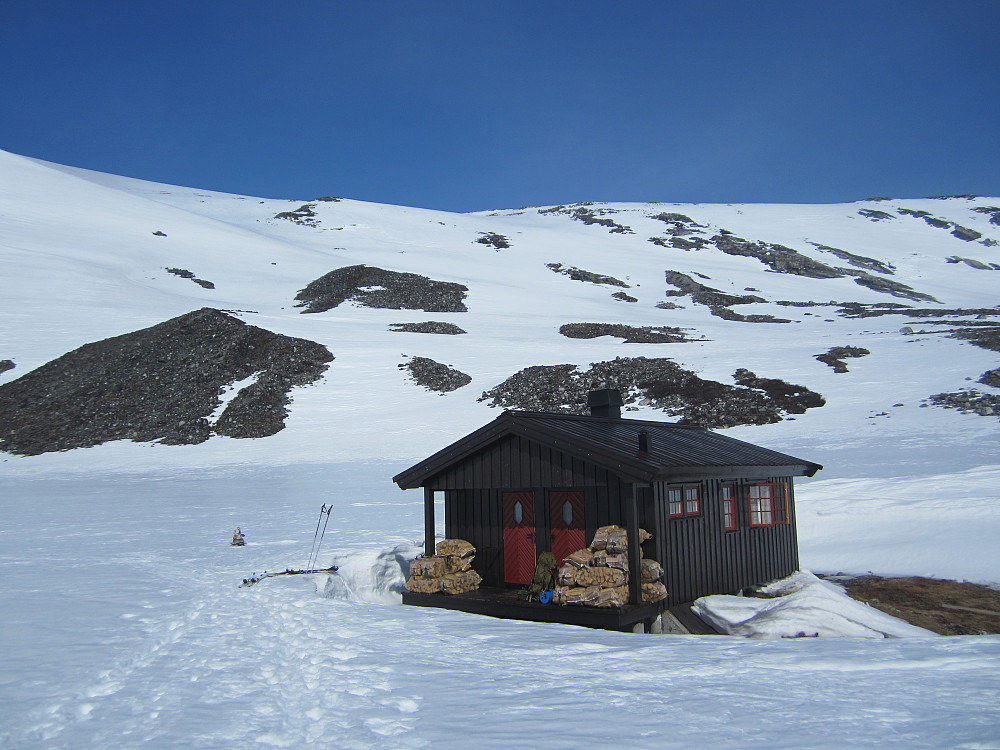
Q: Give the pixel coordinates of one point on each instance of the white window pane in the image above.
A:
(518, 513)
(568, 513)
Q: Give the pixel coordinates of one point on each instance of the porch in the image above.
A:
(510, 604)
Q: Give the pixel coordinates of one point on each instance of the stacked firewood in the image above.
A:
(449, 571)
(597, 576)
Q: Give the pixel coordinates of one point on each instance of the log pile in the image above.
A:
(598, 575)
(447, 572)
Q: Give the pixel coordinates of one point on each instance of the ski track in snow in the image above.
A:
(140, 636)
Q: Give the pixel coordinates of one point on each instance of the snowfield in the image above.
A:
(122, 618)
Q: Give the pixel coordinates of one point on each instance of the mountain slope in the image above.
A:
(762, 288)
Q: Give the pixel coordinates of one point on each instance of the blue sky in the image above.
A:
(466, 106)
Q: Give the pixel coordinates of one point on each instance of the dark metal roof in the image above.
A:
(675, 451)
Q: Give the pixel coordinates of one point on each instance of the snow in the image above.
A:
(122, 619)
(804, 606)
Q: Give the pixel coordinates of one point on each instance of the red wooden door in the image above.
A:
(569, 527)
(518, 537)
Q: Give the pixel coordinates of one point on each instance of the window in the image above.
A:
(768, 505)
(684, 501)
(729, 507)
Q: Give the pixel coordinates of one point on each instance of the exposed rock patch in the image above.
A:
(375, 287)
(431, 326)
(160, 383)
(962, 233)
(660, 383)
(6, 364)
(186, 274)
(582, 212)
(971, 263)
(992, 211)
(435, 376)
(783, 259)
(578, 274)
(991, 378)
(776, 257)
(836, 355)
(303, 215)
(858, 261)
(630, 334)
(624, 297)
(969, 401)
(717, 302)
(493, 239)
(871, 213)
(986, 335)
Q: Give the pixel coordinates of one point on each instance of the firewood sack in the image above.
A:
(455, 547)
(460, 583)
(422, 585)
(567, 575)
(603, 559)
(430, 567)
(652, 571)
(601, 536)
(654, 592)
(612, 597)
(576, 594)
(459, 564)
(581, 558)
(603, 577)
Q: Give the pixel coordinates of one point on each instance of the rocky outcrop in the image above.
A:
(583, 212)
(836, 355)
(717, 302)
(430, 326)
(186, 274)
(660, 383)
(161, 383)
(435, 376)
(375, 287)
(969, 401)
(630, 334)
(578, 274)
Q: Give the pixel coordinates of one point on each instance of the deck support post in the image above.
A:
(634, 550)
(429, 548)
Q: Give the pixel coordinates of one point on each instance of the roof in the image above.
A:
(675, 451)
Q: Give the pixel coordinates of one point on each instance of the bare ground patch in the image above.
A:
(942, 606)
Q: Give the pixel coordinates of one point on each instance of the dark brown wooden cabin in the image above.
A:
(721, 510)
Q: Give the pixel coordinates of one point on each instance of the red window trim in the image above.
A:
(730, 522)
(684, 512)
(778, 510)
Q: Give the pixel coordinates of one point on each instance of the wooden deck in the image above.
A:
(509, 604)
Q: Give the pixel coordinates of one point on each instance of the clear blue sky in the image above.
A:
(466, 105)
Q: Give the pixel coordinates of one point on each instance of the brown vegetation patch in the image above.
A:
(944, 607)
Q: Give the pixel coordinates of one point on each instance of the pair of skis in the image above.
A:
(313, 553)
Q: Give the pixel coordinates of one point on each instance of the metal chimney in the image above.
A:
(644, 440)
(605, 403)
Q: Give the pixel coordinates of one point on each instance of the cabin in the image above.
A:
(721, 511)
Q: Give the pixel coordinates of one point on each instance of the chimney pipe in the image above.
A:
(605, 403)
(644, 440)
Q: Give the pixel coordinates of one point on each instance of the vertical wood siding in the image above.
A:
(699, 556)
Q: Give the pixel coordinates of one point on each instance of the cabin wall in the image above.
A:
(473, 496)
(701, 558)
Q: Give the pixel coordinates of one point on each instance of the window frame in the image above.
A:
(777, 510)
(730, 514)
(684, 501)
